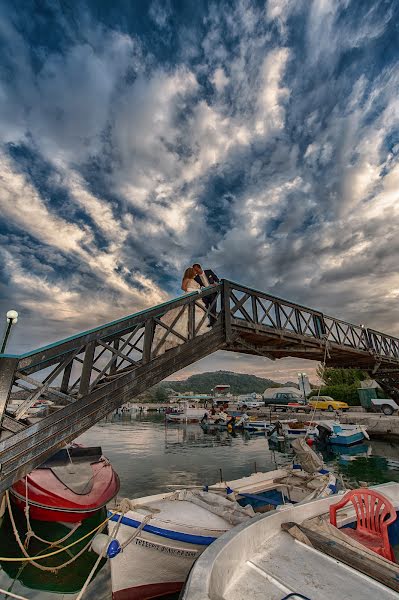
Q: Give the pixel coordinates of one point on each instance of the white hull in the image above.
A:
(159, 562)
(257, 560)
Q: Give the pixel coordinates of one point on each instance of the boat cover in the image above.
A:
(230, 511)
(308, 459)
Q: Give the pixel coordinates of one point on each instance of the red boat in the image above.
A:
(69, 487)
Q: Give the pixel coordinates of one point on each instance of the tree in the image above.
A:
(349, 377)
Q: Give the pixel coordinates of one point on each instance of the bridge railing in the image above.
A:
(260, 311)
(74, 367)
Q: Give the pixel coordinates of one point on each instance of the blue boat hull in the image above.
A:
(347, 440)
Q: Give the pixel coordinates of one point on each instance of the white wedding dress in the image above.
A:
(160, 345)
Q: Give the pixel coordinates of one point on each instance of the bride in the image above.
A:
(160, 345)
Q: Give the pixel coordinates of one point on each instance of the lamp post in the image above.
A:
(12, 318)
(301, 376)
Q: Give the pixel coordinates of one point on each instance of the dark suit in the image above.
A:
(208, 300)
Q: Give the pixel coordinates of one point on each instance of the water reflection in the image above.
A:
(186, 455)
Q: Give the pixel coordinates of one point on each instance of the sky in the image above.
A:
(259, 138)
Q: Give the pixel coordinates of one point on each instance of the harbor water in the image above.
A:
(150, 458)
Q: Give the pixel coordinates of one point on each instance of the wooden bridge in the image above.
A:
(92, 373)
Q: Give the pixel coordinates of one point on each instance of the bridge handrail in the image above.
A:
(73, 342)
(366, 338)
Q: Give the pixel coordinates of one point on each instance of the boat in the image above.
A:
(341, 434)
(292, 429)
(185, 414)
(69, 487)
(269, 557)
(171, 530)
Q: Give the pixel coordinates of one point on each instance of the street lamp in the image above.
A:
(301, 377)
(12, 318)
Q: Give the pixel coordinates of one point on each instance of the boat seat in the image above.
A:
(374, 513)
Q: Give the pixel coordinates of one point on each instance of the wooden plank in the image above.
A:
(340, 551)
(12, 425)
(227, 312)
(87, 369)
(8, 368)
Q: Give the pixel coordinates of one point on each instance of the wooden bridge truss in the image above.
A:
(90, 374)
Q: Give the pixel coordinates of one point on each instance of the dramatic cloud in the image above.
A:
(261, 138)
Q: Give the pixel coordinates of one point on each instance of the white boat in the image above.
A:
(184, 413)
(174, 528)
(262, 561)
(291, 429)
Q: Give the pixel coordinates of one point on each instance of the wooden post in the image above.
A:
(148, 337)
(66, 377)
(86, 369)
(227, 311)
(8, 367)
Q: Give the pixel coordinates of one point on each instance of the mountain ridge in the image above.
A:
(241, 383)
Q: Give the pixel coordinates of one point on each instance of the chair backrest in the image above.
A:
(374, 512)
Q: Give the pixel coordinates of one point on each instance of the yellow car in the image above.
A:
(327, 403)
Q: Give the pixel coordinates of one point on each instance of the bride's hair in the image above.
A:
(189, 273)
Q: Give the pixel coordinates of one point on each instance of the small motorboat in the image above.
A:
(185, 414)
(341, 434)
(292, 429)
(69, 487)
(298, 553)
(169, 531)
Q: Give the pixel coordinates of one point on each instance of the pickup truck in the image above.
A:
(287, 401)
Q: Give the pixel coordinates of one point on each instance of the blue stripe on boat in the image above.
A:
(200, 540)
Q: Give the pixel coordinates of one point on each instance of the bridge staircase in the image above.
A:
(91, 374)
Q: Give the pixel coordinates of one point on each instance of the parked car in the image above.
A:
(327, 403)
(287, 401)
(249, 404)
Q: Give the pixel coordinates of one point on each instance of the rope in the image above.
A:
(13, 595)
(30, 533)
(318, 392)
(42, 556)
(124, 506)
(99, 559)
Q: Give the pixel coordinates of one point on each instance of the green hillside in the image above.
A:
(241, 383)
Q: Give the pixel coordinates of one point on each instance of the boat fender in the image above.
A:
(102, 541)
(230, 495)
(333, 488)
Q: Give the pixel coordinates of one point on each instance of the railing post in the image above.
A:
(149, 328)
(66, 378)
(112, 369)
(226, 311)
(191, 320)
(8, 366)
(319, 326)
(277, 314)
(86, 369)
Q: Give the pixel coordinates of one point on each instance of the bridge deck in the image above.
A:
(94, 372)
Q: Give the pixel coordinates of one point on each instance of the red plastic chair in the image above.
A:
(374, 514)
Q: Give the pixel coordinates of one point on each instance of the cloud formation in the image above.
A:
(261, 139)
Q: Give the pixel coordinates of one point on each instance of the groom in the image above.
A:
(206, 279)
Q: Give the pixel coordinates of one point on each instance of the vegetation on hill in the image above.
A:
(203, 383)
(240, 383)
